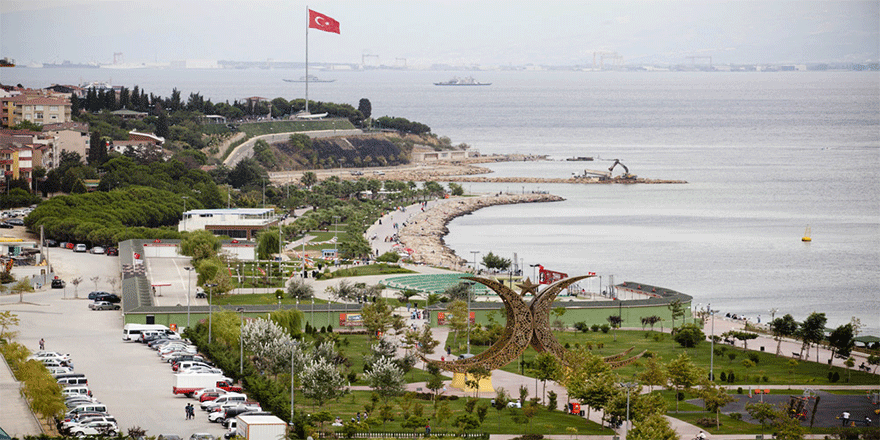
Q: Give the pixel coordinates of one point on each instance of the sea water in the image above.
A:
(764, 154)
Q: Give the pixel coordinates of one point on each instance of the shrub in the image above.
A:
(594, 328)
(765, 378)
(739, 390)
(754, 357)
(605, 328)
(707, 422)
(723, 376)
(581, 326)
(736, 416)
(731, 378)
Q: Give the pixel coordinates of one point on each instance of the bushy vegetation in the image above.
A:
(402, 124)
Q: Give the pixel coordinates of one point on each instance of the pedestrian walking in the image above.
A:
(42, 344)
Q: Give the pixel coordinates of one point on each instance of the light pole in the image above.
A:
(628, 386)
(240, 311)
(534, 274)
(336, 237)
(475, 260)
(183, 216)
(210, 287)
(468, 316)
(293, 347)
(711, 345)
(188, 291)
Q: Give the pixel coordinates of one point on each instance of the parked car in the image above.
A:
(80, 248)
(197, 369)
(185, 357)
(109, 297)
(15, 222)
(44, 355)
(112, 252)
(103, 305)
(198, 394)
(97, 250)
(94, 295)
(210, 396)
(51, 243)
(57, 283)
(94, 428)
(201, 436)
(6, 225)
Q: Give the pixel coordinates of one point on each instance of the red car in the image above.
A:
(210, 396)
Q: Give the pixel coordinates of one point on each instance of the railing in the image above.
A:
(403, 434)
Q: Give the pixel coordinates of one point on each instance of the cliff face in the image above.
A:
(336, 152)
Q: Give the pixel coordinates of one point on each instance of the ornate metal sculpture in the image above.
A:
(526, 325)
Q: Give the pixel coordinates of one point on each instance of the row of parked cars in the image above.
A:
(81, 247)
(85, 415)
(222, 402)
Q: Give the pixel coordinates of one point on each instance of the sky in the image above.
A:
(456, 32)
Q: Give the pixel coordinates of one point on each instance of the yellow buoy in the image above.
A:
(806, 236)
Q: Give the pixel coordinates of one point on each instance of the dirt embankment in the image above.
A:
(424, 233)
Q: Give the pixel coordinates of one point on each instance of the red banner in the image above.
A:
(549, 277)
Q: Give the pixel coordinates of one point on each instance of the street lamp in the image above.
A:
(468, 316)
(534, 274)
(336, 236)
(188, 291)
(475, 260)
(711, 344)
(210, 287)
(628, 386)
(293, 347)
(184, 211)
(240, 311)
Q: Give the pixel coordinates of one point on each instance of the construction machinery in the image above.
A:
(626, 175)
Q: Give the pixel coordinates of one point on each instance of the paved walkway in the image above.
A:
(16, 417)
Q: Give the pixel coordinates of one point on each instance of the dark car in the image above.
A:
(112, 251)
(15, 222)
(5, 225)
(185, 357)
(109, 297)
(94, 295)
(57, 283)
(51, 243)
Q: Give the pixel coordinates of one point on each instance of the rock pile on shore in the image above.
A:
(424, 233)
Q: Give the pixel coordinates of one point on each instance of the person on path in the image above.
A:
(427, 429)
(701, 435)
(845, 418)
(42, 344)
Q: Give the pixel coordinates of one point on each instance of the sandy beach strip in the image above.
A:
(424, 233)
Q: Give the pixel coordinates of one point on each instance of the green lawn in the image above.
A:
(544, 422)
(776, 369)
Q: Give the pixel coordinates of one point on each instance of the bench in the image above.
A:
(796, 354)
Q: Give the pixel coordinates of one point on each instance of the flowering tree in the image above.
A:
(322, 381)
(269, 343)
(385, 378)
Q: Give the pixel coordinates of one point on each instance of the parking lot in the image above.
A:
(129, 378)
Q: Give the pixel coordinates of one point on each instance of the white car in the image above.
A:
(80, 248)
(66, 426)
(173, 346)
(54, 371)
(198, 369)
(97, 250)
(170, 354)
(235, 398)
(94, 428)
(42, 355)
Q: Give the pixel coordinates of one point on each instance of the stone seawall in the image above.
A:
(424, 233)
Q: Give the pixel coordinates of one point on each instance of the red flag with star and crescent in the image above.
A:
(322, 22)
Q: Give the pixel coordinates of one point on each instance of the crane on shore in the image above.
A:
(626, 175)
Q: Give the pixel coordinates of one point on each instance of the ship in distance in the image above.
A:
(311, 78)
(466, 81)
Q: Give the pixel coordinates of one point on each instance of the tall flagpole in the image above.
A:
(308, 23)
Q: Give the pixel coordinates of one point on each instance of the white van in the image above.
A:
(131, 332)
(68, 381)
(91, 407)
(224, 399)
(75, 390)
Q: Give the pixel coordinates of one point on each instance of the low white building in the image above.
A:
(235, 223)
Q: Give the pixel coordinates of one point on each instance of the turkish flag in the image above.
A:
(322, 22)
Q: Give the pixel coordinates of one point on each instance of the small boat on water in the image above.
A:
(467, 81)
(806, 237)
(7, 62)
(312, 79)
(580, 159)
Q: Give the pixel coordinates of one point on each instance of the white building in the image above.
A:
(235, 223)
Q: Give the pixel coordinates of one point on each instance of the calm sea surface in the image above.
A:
(765, 155)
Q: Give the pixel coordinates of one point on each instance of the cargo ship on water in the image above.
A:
(7, 62)
(468, 81)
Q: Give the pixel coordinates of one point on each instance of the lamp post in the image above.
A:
(188, 289)
(534, 268)
(628, 386)
(712, 345)
(183, 216)
(475, 260)
(468, 316)
(336, 236)
(293, 348)
(240, 311)
(210, 287)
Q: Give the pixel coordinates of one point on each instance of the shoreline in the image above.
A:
(425, 233)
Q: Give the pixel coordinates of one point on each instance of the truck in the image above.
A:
(188, 383)
(260, 427)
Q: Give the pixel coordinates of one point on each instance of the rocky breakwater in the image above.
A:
(424, 233)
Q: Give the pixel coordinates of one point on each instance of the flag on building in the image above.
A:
(322, 22)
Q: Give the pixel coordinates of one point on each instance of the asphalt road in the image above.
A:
(127, 377)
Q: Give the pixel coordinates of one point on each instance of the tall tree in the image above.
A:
(655, 427)
(841, 340)
(812, 331)
(365, 107)
(676, 309)
(385, 378)
(783, 327)
(546, 367)
(322, 381)
(714, 398)
(682, 374)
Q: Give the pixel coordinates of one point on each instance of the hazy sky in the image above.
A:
(453, 32)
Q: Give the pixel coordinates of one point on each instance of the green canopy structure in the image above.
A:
(866, 340)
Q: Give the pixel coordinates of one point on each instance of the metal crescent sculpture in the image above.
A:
(542, 337)
(513, 341)
(526, 325)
